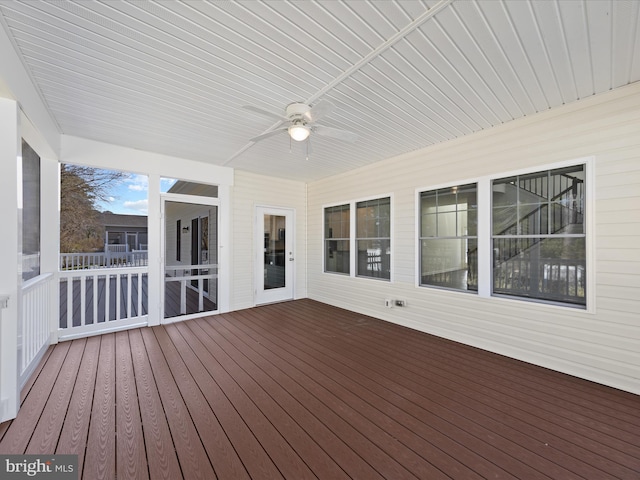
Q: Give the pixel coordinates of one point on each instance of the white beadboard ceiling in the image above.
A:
(172, 76)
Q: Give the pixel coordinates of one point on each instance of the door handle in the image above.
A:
(291, 259)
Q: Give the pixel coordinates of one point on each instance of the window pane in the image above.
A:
(449, 259)
(447, 200)
(337, 233)
(447, 224)
(548, 269)
(469, 226)
(533, 219)
(450, 263)
(337, 222)
(428, 228)
(373, 218)
(567, 218)
(504, 192)
(374, 258)
(534, 188)
(373, 229)
(544, 258)
(30, 212)
(428, 202)
(504, 220)
(337, 256)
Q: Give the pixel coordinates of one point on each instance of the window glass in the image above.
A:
(30, 212)
(448, 241)
(373, 238)
(337, 225)
(538, 236)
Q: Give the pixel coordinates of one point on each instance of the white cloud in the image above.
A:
(140, 206)
(167, 183)
(138, 183)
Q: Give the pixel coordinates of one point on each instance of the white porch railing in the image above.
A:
(184, 275)
(102, 300)
(35, 324)
(78, 261)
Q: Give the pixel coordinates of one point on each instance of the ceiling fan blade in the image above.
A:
(266, 113)
(268, 134)
(345, 135)
(319, 110)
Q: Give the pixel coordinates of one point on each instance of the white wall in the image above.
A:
(250, 190)
(602, 344)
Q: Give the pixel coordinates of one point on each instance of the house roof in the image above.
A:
(109, 219)
(173, 77)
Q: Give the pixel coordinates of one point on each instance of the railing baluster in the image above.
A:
(118, 292)
(107, 296)
(129, 294)
(83, 300)
(139, 294)
(95, 298)
(183, 297)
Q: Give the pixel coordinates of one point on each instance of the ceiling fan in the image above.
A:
(301, 121)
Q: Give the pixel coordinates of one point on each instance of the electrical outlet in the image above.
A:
(400, 303)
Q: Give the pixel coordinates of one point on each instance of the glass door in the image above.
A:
(275, 259)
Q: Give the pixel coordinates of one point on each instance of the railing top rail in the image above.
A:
(192, 267)
(209, 276)
(34, 282)
(91, 272)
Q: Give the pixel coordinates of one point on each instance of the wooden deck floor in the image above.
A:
(302, 390)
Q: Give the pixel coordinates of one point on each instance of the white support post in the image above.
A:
(50, 230)
(10, 192)
(155, 255)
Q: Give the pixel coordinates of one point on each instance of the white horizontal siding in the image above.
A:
(249, 191)
(601, 345)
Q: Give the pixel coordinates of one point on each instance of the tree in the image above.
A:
(81, 188)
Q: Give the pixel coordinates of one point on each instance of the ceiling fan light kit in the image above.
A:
(299, 132)
(301, 118)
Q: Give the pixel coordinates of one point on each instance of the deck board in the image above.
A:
(73, 438)
(193, 458)
(158, 441)
(100, 458)
(132, 463)
(46, 434)
(305, 390)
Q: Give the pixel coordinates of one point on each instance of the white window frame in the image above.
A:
(324, 238)
(419, 193)
(353, 257)
(484, 198)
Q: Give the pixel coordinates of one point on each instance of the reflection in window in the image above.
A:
(448, 237)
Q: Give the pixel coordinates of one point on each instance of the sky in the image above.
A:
(130, 196)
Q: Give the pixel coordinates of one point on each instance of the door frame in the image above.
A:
(197, 200)
(262, 296)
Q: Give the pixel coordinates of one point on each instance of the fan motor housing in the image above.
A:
(296, 111)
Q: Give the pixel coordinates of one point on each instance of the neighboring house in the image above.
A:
(477, 289)
(120, 229)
